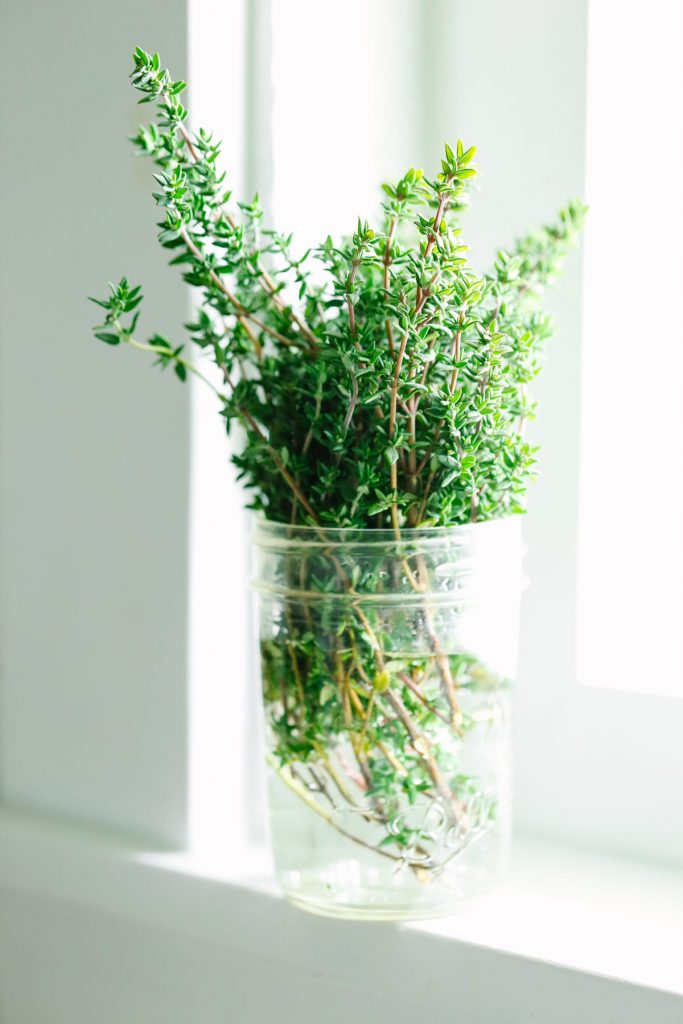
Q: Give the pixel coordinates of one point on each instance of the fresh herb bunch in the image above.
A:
(380, 381)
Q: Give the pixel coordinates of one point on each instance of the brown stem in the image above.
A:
(440, 210)
(354, 331)
(292, 779)
(189, 143)
(387, 263)
(341, 786)
(424, 749)
(271, 289)
(355, 264)
(423, 295)
(295, 667)
(391, 758)
(349, 698)
(425, 496)
(387, 251)
(390, 337)
(241, 312)
(265, 280)
(455, 353)
(321, 787)
(318, 405)
(447, 682)
(431, 241)
(415, 689)
(412, 455)
(282, 469)
(394, 385)
(352, 404)
(455, 357)
(428, 454)
(420, 740)
(279, 464)
(349, 770)
(392, 428)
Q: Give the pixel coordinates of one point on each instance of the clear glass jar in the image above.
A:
(387, 667)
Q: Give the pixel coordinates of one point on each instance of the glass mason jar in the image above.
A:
(387, 666)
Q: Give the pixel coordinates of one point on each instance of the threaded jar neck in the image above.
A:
(445, 563)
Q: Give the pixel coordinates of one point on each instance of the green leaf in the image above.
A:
(450, 477)
(108, 337)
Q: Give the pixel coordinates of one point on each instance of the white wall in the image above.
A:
(93, 542)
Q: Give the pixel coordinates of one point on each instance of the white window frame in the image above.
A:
(226, 772)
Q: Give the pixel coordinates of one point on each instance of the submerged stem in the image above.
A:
(290, 779)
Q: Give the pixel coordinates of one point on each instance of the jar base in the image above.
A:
(352, 907)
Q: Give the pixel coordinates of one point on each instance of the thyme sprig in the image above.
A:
(384, 373)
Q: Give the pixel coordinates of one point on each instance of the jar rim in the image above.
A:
(269, 532)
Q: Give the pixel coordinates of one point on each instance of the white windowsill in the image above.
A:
(593, 938)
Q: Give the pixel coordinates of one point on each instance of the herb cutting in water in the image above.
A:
(379, 383)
